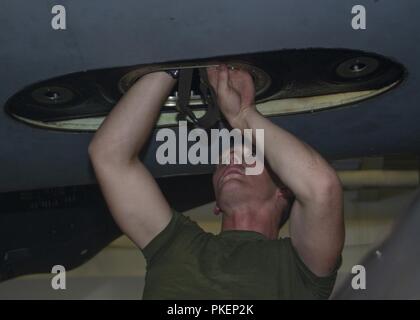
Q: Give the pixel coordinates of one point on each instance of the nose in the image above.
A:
(239, 154)
(231, 157)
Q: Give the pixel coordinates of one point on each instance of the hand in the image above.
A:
(235, 93)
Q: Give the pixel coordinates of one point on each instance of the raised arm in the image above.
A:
(132, 195)
(317, 229)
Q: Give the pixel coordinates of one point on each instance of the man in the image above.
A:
(246, 260)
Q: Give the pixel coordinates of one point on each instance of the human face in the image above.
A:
(233, 187)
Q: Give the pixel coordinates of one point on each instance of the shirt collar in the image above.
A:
(242, 235)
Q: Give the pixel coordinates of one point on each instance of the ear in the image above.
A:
(216, 210)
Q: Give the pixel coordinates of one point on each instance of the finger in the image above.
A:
(212, 75)
(242, 78)
(223, 79)
(246, 75)
(234, 75)
(231, 78)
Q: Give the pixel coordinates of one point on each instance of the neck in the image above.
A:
(250, 217)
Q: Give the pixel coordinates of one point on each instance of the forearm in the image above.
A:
(316, 220)
(126, 129)
(298, 165)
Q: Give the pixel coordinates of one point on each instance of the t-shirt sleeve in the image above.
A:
(177, 236)
(320, 287)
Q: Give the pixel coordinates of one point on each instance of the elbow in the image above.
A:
(323, 188)
(101, 156)
(330, 180)
(329, 185)
(94, 152)
(91, 149)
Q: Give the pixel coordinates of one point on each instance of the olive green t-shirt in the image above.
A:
(185, 262)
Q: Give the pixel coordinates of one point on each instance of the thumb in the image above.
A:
(216, 210)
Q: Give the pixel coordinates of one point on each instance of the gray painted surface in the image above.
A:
(106, 33)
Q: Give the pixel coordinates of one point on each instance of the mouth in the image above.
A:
(237, 170)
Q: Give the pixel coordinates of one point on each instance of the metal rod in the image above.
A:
(356, 179)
